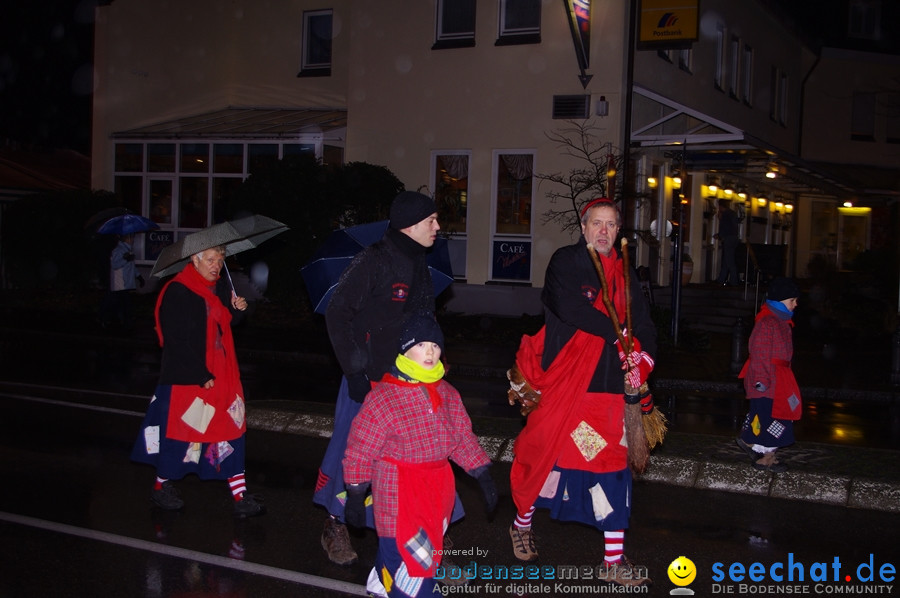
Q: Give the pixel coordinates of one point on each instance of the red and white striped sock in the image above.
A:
(615, 546)
(524, 519)
(159, 482)
(238, 486)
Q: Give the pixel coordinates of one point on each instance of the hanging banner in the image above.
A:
(579, 12)
(668, 23)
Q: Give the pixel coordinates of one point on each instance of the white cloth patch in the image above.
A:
(624, 440)
(588, 440)
(550, 485)
(776, 429)
(793, 401)
(601, 505)
(198, 415)
(407, 584)
(237, 411)
(192, 455)
(151, 439)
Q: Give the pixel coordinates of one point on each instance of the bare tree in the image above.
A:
(595, 160)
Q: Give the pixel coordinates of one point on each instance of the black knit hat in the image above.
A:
(410, 207)
(421, 327)
(782, 288)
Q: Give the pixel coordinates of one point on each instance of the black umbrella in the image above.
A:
(236, 235)
(322, 272)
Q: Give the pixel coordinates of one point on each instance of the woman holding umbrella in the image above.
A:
(195, 422)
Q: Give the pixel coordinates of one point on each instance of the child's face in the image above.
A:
(426, 354)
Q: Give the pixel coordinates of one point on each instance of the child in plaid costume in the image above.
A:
(410, 424)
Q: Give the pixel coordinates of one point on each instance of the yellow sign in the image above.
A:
(669, 22)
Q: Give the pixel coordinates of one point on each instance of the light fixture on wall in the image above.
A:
(652, 182)
(761, 200)
(742, 192)
(788, 207)
(771, 170)
(676, 182)
(602, 108)
(712, 182)
(848, 204)
(728, 189)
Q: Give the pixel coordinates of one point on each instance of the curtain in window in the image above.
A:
(518, 165)
(457, 166)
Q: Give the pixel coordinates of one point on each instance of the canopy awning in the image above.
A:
(714, 146)
(247, 123)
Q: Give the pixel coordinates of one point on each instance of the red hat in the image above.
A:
(596, 202)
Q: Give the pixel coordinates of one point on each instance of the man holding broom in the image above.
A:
(586, 367)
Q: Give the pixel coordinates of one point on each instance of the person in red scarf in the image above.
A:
(775, 402)
(195, 422)
(572, 455)
(410, 424)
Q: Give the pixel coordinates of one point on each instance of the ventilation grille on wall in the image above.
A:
(572, 106)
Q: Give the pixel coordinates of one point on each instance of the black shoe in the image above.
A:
(249, 506)
(167, 498)
(747, 449)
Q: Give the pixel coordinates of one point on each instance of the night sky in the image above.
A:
(45, 74)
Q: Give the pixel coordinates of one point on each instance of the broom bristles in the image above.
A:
(654, 424)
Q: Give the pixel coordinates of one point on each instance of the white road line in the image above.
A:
(192, 555)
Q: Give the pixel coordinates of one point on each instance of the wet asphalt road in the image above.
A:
(75, 519)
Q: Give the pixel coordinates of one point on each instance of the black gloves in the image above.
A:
(488, 489)
(358, 386)
(128, 257)
(355, 507)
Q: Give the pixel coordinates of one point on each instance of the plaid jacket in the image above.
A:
(771, 339)
(398, 422)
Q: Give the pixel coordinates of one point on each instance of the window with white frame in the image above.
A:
(862, 125)
(185, 186)
(779, 96)
(734, 79)
(747, 72)
(450, 184)
(686, 60)
(864, 19)
(783, 99)
(316, 54)
(513, 189)
(719, 80)
(520, 22)
(455, 24)
(892, 118)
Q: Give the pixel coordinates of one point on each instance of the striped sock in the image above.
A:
(524, 520)
(238, 486)
(615, 546)
(159, 482)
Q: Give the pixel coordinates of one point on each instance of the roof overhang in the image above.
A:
(329, 124)
(711, 145)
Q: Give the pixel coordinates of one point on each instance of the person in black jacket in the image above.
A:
(385, 283)
(196, 421)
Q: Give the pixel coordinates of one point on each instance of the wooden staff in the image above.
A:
(626, 272)
(605, 295)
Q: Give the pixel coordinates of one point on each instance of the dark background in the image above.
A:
(46, 78)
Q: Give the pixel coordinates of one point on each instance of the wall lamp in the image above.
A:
(652, 182)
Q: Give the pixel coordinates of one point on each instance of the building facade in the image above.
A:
(469, 101)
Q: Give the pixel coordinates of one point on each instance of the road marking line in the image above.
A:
(187, 554)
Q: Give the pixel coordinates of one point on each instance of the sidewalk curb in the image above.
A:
(834, 490)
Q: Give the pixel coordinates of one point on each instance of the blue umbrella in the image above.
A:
(127, 224)
(323, 271)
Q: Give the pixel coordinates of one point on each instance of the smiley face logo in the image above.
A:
(682, 571)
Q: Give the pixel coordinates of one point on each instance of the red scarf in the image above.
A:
(562, 385)
(222, 405)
